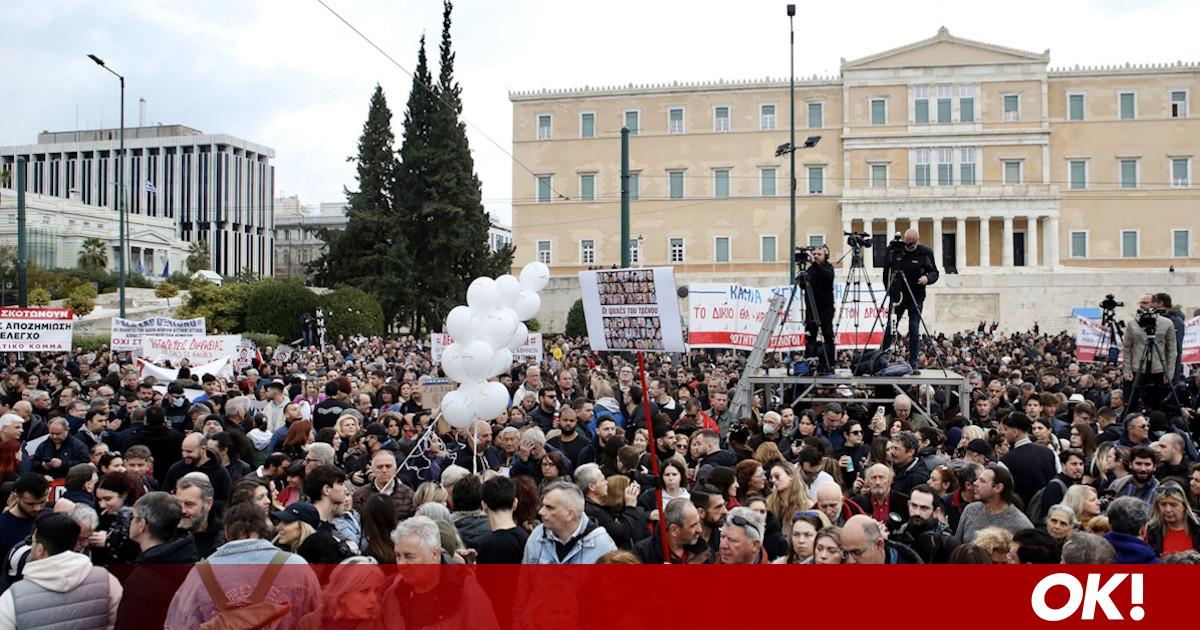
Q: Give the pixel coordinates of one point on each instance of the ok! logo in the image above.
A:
(1089, 597)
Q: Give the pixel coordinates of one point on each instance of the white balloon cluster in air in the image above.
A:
(486, 332)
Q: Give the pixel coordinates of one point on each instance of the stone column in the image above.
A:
(1006, 255)
(985, 241)
(960, 244)
(847, 226)
(1051, 242)
(937, 242)
(1031, 242)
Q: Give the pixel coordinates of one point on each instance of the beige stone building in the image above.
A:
(1004, 164)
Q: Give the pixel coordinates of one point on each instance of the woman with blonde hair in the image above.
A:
(350, 599)
(1084, 502)
(430, 491)
(996, 541)
(788, 492)
(768, 452)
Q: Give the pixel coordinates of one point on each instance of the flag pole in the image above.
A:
(653, 448)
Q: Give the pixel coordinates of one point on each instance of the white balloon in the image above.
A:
(527, 305)
(501, 362)
(482, 295)
(477, 359)
(499, 326)
(459, 324)
(519, 337)
(509, 287)
(490, 400)
(458, 409)
(534, 276)
(452, 363)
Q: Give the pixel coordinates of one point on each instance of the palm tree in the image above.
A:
(93, 256)
(199, 256)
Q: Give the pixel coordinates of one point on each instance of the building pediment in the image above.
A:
(945, 49)
(150, 237)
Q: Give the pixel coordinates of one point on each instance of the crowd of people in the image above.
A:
(330, 465)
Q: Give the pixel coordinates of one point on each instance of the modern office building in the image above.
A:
(214, 187)
(1003, 163)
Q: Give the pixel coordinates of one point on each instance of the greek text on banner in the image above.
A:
(36, 329)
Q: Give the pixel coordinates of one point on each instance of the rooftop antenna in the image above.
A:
(141, 112)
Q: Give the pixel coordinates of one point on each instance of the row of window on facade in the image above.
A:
(925, 173)
(149, 194)
(1181, 240)
(936, 105)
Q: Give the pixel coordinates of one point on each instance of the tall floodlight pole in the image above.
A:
(791, 11)
(120, 188)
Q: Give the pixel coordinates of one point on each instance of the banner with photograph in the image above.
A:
(127, 333)
(531, 349)
(197, 350)
(730, 315)
(36, 329)
(632, 309)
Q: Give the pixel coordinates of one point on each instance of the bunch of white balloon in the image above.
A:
(485, 332)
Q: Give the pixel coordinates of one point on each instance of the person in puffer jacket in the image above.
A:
(566, 535)
(60, 587)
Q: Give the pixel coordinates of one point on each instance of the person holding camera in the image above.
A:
(909, 268)
(1148, 371)
(820, 282)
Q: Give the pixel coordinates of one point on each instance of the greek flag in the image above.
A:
(138, 267)
(150, 188)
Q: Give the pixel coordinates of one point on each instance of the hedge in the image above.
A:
(351, 311)
(275, 307)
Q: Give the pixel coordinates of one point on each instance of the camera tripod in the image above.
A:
(1110, 341)
(854, 281)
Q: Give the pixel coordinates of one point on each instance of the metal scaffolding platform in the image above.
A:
(951, 381)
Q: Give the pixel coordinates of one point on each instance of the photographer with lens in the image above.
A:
(1149, 361)
(909, 268)
(820, 273)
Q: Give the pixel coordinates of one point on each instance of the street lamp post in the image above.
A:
(120, 188)
(791, 12)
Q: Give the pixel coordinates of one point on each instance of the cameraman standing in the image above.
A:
(1148, 388)
(820, 281)
(918, 268)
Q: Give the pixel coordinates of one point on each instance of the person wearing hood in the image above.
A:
(161, 567)
(165, 443)
(1129, 518)
(60, 586)
(606, 406)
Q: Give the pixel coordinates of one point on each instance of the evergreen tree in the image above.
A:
(370, 253)
(440, 192)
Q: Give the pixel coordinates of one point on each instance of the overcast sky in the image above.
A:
(289, 75)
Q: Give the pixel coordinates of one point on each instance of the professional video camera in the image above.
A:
(802, 255)
(1110, 303)
(858, 239)
(895, 246)
(1147, 320)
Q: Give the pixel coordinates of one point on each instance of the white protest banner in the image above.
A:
(632, 309)
(127, 333)
(730, 315)
(1191, 341)
(1092, 342)
(531, 349)
(221, 368)
(195, 349)
(36, 329)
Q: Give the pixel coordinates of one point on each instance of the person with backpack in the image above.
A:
(282, 592)
(60, 588)
(1071, 461)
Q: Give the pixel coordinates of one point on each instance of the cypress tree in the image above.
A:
(371, 253)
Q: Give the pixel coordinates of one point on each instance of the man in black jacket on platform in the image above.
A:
(820, 280)
(907, 270)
